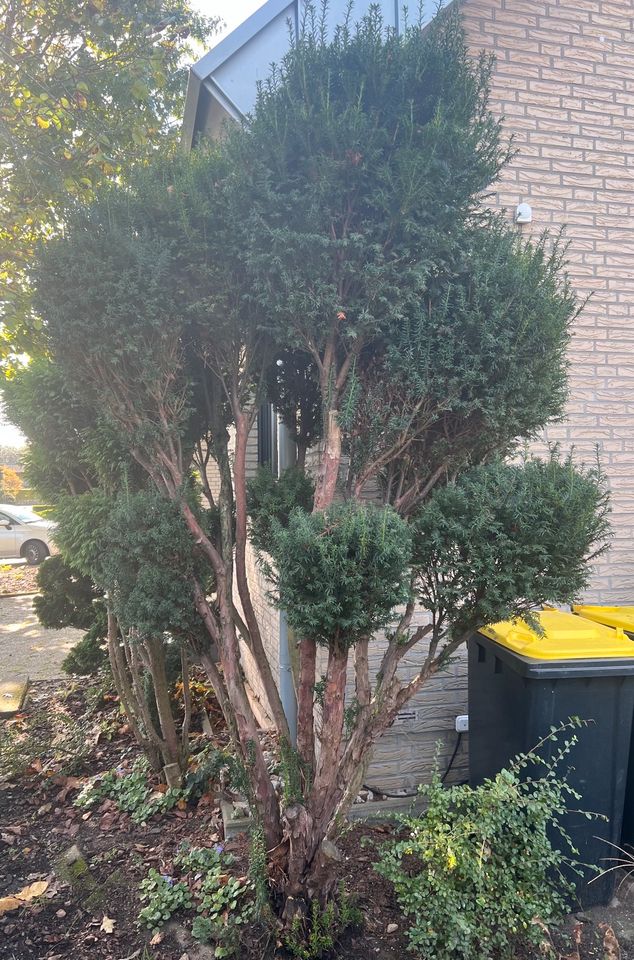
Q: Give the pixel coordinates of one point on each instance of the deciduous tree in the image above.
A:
(88, 88)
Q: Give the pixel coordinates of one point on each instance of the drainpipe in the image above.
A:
(286, 458)
(287, 686)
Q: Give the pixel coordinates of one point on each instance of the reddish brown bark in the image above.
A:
(332, 734)
(257, 647)
(264, 795)
(330, 461)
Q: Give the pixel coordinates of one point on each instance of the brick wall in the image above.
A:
(564, 82)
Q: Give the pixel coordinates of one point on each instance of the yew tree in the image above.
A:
(336, 253)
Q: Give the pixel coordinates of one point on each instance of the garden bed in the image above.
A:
(17, 579)
(47, 755)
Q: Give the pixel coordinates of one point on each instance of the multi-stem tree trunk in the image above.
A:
(166, 751)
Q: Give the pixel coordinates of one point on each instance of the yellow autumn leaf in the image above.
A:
(42, 123)
(25, 895)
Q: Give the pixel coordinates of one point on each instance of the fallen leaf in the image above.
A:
(25, 895)
(611, 948)
(68, 784)
(107, 925)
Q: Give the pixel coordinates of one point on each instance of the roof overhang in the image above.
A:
(223, 84)
(210, 79)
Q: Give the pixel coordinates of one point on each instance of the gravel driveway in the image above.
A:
(28, 648)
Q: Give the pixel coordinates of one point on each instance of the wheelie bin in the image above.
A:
(621, 618)
(522, 684)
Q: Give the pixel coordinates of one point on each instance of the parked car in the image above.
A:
(24, 533)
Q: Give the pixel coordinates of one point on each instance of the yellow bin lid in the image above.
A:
(612, 616)
(566, 637)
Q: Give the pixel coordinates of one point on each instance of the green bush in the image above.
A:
(489, 546)
(87, 657)
(478, 874)
(271, 501)
(68, 598)
(311, 938)
(221, 900)
(340, 573)
(130, 791)
(163, 897)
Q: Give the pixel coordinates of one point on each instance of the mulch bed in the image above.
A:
(39, 823)
(17, 579)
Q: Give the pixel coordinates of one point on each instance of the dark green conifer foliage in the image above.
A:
(345, 229)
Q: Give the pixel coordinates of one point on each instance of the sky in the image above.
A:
(233, 13)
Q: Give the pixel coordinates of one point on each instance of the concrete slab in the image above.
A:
(12, 695)
(26, 647)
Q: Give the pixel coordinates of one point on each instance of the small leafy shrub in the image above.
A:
(130, 791)
(478, 874)
(271, 501)
(211, 764)
(87, 657)
(163, 897)
(222, 900)
(314, 938)
(340, 573)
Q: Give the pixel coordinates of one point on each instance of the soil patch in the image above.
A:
(90, 912)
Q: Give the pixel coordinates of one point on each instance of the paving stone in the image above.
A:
(12, 693)
(26, 647)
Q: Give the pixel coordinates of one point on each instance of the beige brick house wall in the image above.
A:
(564, 83)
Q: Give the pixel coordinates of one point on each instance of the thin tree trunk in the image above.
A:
(126, 694)
(264, 797)
(187, 703)
(257, 647)
(301, 448)
(332, 725)
(156, 656)
(330, 461)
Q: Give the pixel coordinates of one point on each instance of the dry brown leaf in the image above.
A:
(611, 948)
(25, 895)
(107, 925)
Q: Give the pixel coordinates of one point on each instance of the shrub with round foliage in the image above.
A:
(490, 545)
(271, 501)
(340, 573)
(68, 598)
(477, 875)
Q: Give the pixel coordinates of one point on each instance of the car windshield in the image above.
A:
(24, 515)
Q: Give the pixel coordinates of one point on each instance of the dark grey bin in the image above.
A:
(513, 703)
